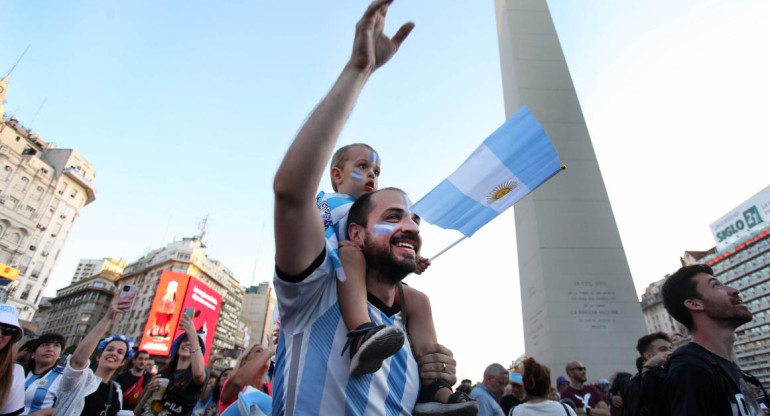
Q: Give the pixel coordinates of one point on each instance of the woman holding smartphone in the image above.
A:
(86, 392)
(182, 378)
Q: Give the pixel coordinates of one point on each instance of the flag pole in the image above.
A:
(447, 249)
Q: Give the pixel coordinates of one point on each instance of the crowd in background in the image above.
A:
(110, 377)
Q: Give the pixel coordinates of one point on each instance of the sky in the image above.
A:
(185, 110)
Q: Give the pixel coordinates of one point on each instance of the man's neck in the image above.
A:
(577, 385)
(382, 290)
(717, 340)
(137, 371)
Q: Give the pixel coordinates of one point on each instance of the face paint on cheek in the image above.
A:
(383, 228)
(374, 158)
(356, 176)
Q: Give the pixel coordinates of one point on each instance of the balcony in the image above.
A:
(85, 183)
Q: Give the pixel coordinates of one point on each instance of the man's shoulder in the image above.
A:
(477, 392)
(690, 357)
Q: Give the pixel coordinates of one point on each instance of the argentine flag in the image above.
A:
(512, 162)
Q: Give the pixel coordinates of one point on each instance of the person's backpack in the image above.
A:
(652, 400)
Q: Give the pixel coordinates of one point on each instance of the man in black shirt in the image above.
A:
(654, 350)
(701, 378)
(134, 380)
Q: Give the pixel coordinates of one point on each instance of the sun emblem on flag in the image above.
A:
(500, 191)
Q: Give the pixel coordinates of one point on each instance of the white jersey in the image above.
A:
(312, 378)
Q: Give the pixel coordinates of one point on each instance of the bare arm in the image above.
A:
(85, 348)
(213, 358)
(299, 234)
(196, 355)
(250, 372)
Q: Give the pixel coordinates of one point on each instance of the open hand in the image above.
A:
(372, 48)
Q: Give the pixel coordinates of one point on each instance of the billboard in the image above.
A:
(175, 293)
(743, 221)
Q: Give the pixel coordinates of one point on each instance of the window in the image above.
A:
(23, 183)
(13, 202)
(30, 211)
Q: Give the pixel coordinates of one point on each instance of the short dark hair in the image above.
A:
(645, 342)
(50, 338)
(361, 208)
(142, 352)
(536, 377)
(678, 288)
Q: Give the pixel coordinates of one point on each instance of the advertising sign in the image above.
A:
(206, 304)
(164, 315)
(748, 218)
(177, 292)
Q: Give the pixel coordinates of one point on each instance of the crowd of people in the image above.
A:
(353, 339)
(122, 380)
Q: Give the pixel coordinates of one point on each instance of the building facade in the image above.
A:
(257, 313)
(655, 315)
(186, 256)
(90, 267)
(42, 190)
(79, 306)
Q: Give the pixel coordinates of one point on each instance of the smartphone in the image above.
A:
(128, 292)
(232, 352)
(189, 312)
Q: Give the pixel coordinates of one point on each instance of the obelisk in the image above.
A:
(578, 299)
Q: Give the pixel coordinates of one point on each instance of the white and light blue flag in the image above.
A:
(513, 161)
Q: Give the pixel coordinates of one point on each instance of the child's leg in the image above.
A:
(422, 333)
(352, 292)
(369, 343)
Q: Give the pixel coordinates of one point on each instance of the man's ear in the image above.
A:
(356, 234)
(694, 304)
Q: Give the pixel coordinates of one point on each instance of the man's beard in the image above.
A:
(732, 314)
(384, 262)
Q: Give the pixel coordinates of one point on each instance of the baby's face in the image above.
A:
(360, 172)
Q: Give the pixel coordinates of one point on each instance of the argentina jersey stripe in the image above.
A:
(316, 360)
(279, 390)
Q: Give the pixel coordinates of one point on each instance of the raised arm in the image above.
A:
(254, 367)
(299, 234)
(85, 348)
(196, 354)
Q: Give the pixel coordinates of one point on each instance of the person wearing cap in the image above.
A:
(41, 387)
(514, 392)
(87, 392)
(561, 384)
(12, 374)
(185, 372)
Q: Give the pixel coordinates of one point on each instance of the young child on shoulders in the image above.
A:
(355, 170)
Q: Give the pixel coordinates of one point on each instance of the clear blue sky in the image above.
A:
(186, 108)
